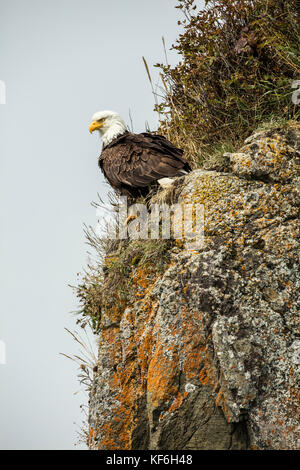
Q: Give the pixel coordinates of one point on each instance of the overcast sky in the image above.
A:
(61, 60)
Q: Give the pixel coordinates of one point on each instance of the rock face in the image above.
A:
(207, 356)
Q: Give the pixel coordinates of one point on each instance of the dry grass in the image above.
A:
(87, 361)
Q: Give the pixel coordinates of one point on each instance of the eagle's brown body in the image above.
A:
(132, 162)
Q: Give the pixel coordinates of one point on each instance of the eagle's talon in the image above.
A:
(129, 219)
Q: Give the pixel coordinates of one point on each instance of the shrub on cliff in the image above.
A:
(239, 60)
(106, 286)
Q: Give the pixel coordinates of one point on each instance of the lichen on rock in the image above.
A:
(205, 355)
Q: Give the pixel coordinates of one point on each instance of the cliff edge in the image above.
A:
(206, 352)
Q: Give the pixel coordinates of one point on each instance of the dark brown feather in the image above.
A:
(132, 162)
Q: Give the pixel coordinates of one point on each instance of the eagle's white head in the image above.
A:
(109, 124)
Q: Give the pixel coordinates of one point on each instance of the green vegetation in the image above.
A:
(239, 59)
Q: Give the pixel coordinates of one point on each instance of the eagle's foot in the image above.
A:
(129, 219)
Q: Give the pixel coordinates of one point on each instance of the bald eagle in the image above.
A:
(133, 162)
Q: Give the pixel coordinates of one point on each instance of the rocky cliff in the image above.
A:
(206, 354)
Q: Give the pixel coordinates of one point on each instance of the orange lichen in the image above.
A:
(162, 374)
(203, 377)
(176, 403)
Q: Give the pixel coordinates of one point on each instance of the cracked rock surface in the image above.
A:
(207, 356)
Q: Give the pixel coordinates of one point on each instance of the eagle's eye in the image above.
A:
(101, 120)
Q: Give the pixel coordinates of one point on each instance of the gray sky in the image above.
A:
(61, 61)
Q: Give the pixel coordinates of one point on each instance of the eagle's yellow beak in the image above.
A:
(95, 125)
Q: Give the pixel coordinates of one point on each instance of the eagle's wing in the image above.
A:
(137, 160)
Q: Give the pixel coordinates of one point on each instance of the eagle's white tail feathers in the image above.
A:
(166, 182)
